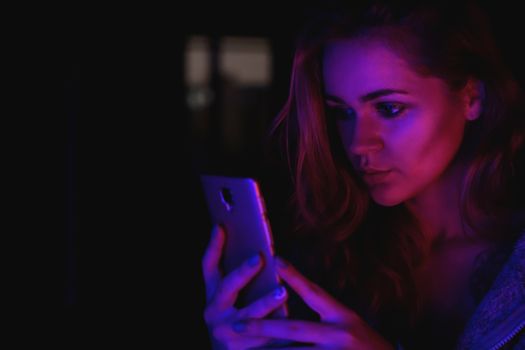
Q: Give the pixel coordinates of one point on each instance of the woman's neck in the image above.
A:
(437, 209)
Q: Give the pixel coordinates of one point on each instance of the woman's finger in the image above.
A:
(232, 284)
(299, 348)
(226, 334)
(264, 306)
(299, 331)
(314, 296)
(211, 259)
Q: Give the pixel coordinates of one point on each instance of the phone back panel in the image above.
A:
(237, 205)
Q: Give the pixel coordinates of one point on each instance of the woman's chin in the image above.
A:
(385, 198)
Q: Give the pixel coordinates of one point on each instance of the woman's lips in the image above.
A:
(376, 177)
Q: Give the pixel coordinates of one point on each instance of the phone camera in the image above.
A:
(227, 198)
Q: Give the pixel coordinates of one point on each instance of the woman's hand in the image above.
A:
(340, 327)
(221, 315)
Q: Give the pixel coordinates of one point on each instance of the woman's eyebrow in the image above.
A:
(380, 93)
(368, 97)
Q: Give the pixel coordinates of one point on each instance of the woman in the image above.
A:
(405, 135)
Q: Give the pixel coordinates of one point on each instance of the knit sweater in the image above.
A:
(499, 320)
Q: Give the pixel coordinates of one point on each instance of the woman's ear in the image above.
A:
(473, 97)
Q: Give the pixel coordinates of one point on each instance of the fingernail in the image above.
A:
(239, 327)
(281, 263)
(254, 260)
(279, 293)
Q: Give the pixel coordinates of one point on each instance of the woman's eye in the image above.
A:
(390, 109)
(340, 113)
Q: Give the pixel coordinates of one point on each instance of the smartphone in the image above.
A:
(237, 204)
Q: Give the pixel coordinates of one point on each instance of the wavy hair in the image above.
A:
(362, 243)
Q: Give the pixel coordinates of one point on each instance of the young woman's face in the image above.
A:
(400, 130)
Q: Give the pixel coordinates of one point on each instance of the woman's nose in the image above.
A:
(367, 137)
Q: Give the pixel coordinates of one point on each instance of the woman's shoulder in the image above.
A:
(500, 317)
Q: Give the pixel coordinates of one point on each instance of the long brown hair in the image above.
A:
(361, 242)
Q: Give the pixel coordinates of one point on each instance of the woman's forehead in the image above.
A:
(355, 68)
(369, 49)
(357, 61)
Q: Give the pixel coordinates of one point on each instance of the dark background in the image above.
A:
(122, 256)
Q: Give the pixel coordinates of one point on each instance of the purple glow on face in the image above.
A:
(394, 120)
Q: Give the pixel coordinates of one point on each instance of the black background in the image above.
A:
(118, 225)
